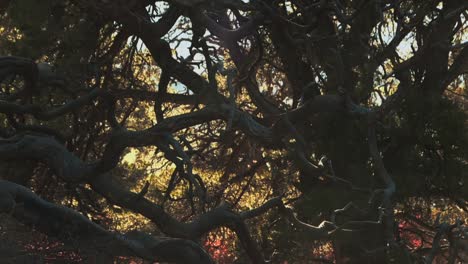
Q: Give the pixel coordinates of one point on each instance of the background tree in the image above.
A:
(234, 131)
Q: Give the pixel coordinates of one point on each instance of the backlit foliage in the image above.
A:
(231, 121)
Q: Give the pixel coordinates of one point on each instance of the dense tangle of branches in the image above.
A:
(313, 94)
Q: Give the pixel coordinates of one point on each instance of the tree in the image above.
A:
(292, 126)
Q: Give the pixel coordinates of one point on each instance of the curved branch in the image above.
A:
(225, 34)
(68, 226)
(41, 114)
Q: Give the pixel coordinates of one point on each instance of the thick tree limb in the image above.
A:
(70, 226)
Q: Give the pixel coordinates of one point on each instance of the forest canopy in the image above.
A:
(233, 131)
